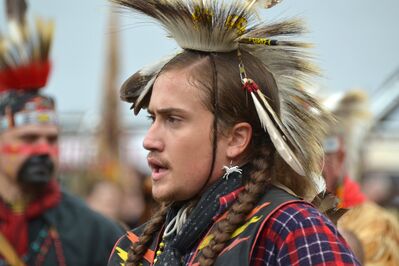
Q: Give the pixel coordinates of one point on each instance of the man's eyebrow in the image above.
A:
(166, 110)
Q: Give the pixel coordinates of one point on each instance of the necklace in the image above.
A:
(173, 227)
(176, 223)
(161, 248)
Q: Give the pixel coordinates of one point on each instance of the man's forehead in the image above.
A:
(34, 129)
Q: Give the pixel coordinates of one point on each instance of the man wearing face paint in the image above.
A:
(40, 224)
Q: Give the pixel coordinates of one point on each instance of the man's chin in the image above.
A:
(35, 185)
(163, 195)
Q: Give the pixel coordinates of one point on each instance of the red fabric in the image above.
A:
(353, 195)
(14, 226)
(31, 76)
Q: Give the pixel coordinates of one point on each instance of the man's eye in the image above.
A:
(29, 138)
(151, 118)
(52, 139)
(173, 119)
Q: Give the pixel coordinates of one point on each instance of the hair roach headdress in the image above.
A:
(24, 70)
(225, 26)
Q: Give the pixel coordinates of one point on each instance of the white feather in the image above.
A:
(154, 68)
(282, 148)
(277, 120)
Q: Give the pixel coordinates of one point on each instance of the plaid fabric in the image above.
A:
(298, 234)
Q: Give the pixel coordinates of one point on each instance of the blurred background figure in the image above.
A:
(354, 243)
(378, 231)
(40, 223)
(371, 231)
(341, 149)
(112, 186)
(106, 197)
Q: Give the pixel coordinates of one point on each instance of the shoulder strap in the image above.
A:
(8, 252)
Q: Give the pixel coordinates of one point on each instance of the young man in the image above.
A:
(233, 144)
(39, 223)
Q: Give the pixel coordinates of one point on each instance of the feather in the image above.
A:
(136, 88)
(279, 143)
(266, 3)
(203, 25)
(293, 69)
(327, 203)
(24, 54)
(138, 103)
(277, 120)
(16, 10)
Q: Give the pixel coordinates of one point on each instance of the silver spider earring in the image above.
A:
(231, 169)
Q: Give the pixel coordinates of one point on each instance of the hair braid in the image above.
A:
(137, 250)
(237, 213)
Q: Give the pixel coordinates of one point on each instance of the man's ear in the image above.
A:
(238, 139)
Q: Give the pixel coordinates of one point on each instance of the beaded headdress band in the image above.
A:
(225, 26)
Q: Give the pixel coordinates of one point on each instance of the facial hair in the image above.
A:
(36, 170)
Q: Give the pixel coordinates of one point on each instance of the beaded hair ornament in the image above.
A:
(24, 69)
(225, 26)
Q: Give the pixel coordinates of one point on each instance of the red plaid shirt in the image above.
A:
(298, 234)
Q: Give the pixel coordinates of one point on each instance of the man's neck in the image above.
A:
(10, 191)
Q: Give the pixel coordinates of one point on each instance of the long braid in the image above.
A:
(137, 250)
(237, 213)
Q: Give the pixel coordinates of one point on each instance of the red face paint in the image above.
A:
(29, 150)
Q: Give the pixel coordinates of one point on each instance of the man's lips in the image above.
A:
(159, 168)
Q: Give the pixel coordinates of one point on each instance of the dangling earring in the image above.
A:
(231, 169)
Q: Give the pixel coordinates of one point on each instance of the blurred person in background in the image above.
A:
(115, 186)
(40, 223)
(376, 229)
(106, 198)
(122, 203)
(354, 243)
(233, 175)
(347, 108)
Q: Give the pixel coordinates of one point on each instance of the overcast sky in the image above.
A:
(356, 43)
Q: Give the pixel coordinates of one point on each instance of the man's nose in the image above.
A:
(41, 148)
(153, 140)
(44, 147)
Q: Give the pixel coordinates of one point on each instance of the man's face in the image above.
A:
(19, 145)
(179, 140)
(334, 166)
